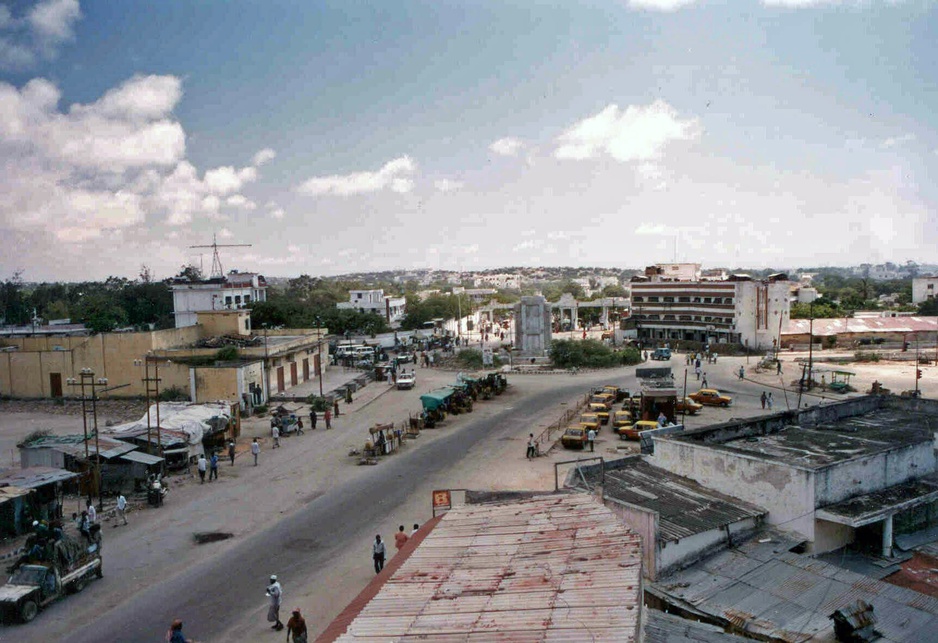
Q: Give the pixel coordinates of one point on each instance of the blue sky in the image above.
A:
(349, 136)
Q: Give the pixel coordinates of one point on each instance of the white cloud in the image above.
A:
(528, 233)
(37, 34)
(527, 244)
(898, 141)
(660, 5)
(448, 185)
(639, 133)
(225, 233)
(394, 175)
(797, 4)
(508, 146)
(276, 213)
(263, 156)
(654, 228)
(558, 235)
(240, 201)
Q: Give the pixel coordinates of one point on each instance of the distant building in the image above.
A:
(231, 292)
(502, 281)
(881, 328)
(476, 295)
(377, 303)
(673, 272)
(924, 288)
(739, 310)
(804, 294)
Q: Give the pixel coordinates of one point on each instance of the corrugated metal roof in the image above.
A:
(834, 326)
(33, 477)
(141, 457)
(684, 507)
(765, 590)
(74, 445)
(548, 568)
(667, 628)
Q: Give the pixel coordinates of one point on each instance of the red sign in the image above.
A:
(442, 501)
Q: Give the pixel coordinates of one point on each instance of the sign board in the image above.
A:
(487, 358)
(442, 501)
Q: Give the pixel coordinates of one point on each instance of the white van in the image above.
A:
(364, 351)
(347, 350)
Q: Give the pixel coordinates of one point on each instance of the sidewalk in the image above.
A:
(335, 379)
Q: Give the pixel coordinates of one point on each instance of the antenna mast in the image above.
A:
(217, 270)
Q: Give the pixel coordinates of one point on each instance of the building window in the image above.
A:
(237, 299)
(228, 301)
(653, 300)
(696, 300)
(247, 299)
(696, 317)
(669, 317)
(638, 299)
(669, 300)
(707, 300)
(684, 300)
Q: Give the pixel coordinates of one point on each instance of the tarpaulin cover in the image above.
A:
(195, 420)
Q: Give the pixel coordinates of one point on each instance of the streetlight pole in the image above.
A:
(319, 353)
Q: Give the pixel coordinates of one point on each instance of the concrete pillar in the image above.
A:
(887, 537)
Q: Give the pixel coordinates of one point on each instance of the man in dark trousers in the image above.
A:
(312, 419)
(378, 553)
(231, 451)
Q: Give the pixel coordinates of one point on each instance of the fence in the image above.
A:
(562, 423)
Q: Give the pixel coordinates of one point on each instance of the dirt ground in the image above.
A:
(919, 573)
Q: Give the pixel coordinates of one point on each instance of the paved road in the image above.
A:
(208, 595)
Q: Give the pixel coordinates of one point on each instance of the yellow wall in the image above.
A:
(224, 322)
(221, 383)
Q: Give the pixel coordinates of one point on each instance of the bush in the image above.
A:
(471, 359)
(227, 354)
(319, 403)
(174, 394)
(591, 353)
(865, 356)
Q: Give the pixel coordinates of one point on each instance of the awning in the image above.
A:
(141, 457)
(876, 506)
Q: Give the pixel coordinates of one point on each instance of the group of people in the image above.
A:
(379, 551)
(766, 400)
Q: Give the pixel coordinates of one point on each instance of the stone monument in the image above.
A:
(532, 326)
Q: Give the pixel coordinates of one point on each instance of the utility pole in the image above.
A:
(810, 346)
(152, 392)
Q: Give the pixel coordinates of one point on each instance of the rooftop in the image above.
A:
(763, 589)
(871, 507)
(667, 628)
(684, 507)
(548, 568)
(826, 327)
(74, 445)
(811, 441)
(33, 477)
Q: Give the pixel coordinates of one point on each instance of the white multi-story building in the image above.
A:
(673, 272)
(505, 281)
(924, 288)
(738, 310)
(375, 301)
(234, 290)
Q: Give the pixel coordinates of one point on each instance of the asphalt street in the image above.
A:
(208, 595)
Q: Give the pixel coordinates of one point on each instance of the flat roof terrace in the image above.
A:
(813, 440)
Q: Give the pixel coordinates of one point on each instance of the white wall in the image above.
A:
(829, 536)
(760, 333)
(921, 290)
(786, 492)
(844, 480)
(686, 550)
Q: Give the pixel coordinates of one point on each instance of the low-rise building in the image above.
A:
(231, 292)
(844, 473)
(377, 303)
(924, 288)
(848, 331)
(503, 281)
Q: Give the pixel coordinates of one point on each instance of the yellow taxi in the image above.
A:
(711, 397)
(631, 432)
(590, 421)
(622, 418)
(601, 411)
(574, 437)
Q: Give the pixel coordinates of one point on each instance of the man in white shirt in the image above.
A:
(255, 450)
(92, 514)
(378, 553)
(590, 437)
(203, 466)
(122, 508)
(275, 594)
(275, 432)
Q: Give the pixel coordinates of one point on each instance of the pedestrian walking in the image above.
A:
(378, 553)
(742, 372)
(92, 513)
(532, 450)
(255, 450)
(202, 466)
(174, 635)
(213, 467)
(400, 538)
(312, 420)
(327, 416)
(591, 437)
(296, 627)
(275, 595)
(764, 398)
(697, 371)
(335, 408)
(299, 426)
(231, 451)
(769, 401)
(275, 433)
(122, 507)
(704, 380)
(778, 367)
(414, 530)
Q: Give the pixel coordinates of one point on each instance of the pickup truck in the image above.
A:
(33, 585)
(406, 380)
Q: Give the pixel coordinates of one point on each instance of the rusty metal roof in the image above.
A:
(684, 507)
(74, 445)
(763, 589)
(834, 326)
(558, 568)
(667, 628)
(33, 477)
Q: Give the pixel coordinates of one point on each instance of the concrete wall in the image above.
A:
(786, 492)
(674, 555)
(226, 322)
(856, 477)
(924, 288)
(774, 299)
(644, 523)
(829, 536)
(226, 383)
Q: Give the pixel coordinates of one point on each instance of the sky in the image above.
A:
(349, 136)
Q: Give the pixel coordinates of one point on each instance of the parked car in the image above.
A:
(575, 437)
(600, 410)
(590, 421)
(621, 419)
(711, 397)
(687, 405)
(661, 354)
(606, 399)
(631, 432)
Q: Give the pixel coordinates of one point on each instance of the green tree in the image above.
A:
(14, 308)
(929, 307)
